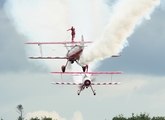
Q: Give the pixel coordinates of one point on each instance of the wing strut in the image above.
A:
(111, 78)
(40, 45)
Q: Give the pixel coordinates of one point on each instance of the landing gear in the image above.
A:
(78, 92)
(83, 68)
(94, 91)
(72, 61)
(63, 68)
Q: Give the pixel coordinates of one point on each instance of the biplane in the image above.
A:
(86, 80)
(73, 52)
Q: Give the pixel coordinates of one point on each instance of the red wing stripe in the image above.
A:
(48, 57)
(107, 83)
(73, 83)
(92, 73)
(66, 83)
(75, 42)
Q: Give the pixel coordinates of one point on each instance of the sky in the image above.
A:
(28, 82)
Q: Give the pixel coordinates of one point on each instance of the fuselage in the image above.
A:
(86, 83)
(75, 52)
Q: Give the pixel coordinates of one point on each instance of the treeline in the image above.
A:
(142, 116)
(44, 118)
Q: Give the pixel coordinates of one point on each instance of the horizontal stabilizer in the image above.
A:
(74, 42)
(91, 73)
(48, 57)
(98, 83)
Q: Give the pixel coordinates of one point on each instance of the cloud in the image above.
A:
(77, 116)
(162, 5)
(42, 114)
(54, 115)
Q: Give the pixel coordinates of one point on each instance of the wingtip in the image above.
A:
(116, 55)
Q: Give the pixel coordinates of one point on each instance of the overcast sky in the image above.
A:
(28, 82)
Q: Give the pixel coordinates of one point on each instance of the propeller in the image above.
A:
(93, 79)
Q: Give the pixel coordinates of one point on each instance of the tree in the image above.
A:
(120, 117)
(45, 118)
(20, 111)
(158, 118)
(142, 116)
(36, 118)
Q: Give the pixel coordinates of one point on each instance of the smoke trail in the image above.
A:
(121, 25)
(41, 20)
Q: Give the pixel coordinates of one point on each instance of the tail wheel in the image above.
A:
(94, 93)
(63, 68)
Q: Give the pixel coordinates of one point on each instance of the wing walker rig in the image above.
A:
(73, 55)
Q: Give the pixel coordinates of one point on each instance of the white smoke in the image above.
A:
(126, 16)
(43, 20)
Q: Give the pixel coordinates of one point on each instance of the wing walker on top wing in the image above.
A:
(73, 54)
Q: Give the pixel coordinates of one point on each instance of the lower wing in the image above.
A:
(93, 83)
(91, 73)
(69, 42)
(48, 57)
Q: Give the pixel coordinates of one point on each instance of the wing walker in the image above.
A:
(73, 55)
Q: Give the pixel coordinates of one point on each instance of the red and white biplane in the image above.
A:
(87, 81)
(73, 54)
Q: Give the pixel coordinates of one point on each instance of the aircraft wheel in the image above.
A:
(84, 68)
(63, 68)
(78, 93)
(94, 92)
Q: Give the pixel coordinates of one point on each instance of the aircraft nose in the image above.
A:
(87, 82)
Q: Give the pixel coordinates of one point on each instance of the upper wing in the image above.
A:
(48, 57)
(74, 42)
(98, 83)
(66, 83)
(92, 73)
